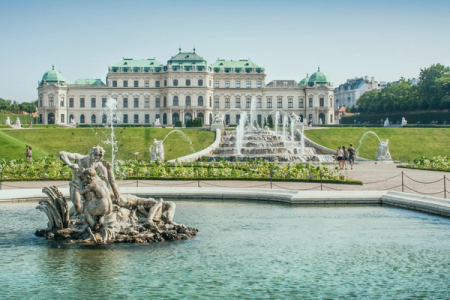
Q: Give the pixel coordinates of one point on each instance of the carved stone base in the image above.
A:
(218, 126)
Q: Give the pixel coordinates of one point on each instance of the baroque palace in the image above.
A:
(185, 88)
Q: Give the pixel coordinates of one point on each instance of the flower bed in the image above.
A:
(435, 163)
(49, 168)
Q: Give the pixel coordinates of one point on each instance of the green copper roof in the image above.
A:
(186, 57)
(318, 77)
(89, 82)
(243, 63)
(304, 81)
(131, 63)
(53, 76)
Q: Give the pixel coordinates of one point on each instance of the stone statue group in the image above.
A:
(100, 213)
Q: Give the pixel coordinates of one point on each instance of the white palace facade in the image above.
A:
(185, 88)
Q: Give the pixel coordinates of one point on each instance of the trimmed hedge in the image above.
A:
(115, 125)
(349, 125)
(411, 117)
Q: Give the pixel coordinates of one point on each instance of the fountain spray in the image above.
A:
(110, 108)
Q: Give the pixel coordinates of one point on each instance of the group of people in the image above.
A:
(28, 153)
(345, 156)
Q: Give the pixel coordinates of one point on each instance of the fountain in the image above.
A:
(382, 153)
(8, 121)
(250, 142)
(112, 117)
(100, 213)
(18, 122)
(386, 123)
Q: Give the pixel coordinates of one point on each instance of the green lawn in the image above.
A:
(129, 140)
(404, 143)
(24, 119)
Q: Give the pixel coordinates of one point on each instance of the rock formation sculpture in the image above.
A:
(100, 214)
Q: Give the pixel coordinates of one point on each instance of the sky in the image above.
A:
(347, 39)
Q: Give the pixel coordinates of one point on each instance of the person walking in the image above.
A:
(26, 152)
(340, 157)
(345, 160)
(30, 153)
(351, 155)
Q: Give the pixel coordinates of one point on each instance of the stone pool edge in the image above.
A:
(426, 204)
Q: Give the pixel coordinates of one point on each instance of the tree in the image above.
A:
(429, 91)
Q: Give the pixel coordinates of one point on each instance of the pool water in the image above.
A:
(243, 250)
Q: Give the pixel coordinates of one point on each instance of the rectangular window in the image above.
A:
(147, 119)
(280, 103)
(290, 103)
(103, 102)
(310, 102)
(227, 119)
(216, 84)
(322, 102)
(146, 83)
(81, 102)
(114, 83)
(157, 102)
(40, 118)
(248, 103)
(157, 83)
(146, 103)
(216, 102)
(136, 118)
(125, 83)
(238, 118)
(51, 101)
(227, 102)
(238, 84)
(300, 103)
(125, 102)
(269, 103)
(249, 84)
(259, 117)
(258, 84)
(238, 102)
(227, 84)
(93, 102)
(40, 101)
(125, 118)
(331, 102)
(136, 83)
(70, 102)
(62, 118)
(259, 103)
(136, 102)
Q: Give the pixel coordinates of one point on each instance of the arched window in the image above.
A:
(210, 102)
(164, 118)
(82, 119)
(70, 118)
(210, 118)
(165, 101)
(201, 116)
(200, 101)
(51, 118)
(200, 82)
(322, 118)
(93, 119)
(188, 101)
(175, 118)
(187, 117)
(175, 101)
(175, 82)
(188, 82)
(104, 119)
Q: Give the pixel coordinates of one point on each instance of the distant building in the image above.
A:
(348, 93)
(186, 87)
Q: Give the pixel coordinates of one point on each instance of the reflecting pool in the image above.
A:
(243, 250)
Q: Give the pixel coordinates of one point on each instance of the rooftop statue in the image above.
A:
(100, 214)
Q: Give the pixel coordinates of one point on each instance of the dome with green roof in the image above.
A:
(304, 81)
(318, 78)
(52, 77)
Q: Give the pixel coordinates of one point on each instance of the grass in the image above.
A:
(47, 141)
(23, 118)
(404, 143)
